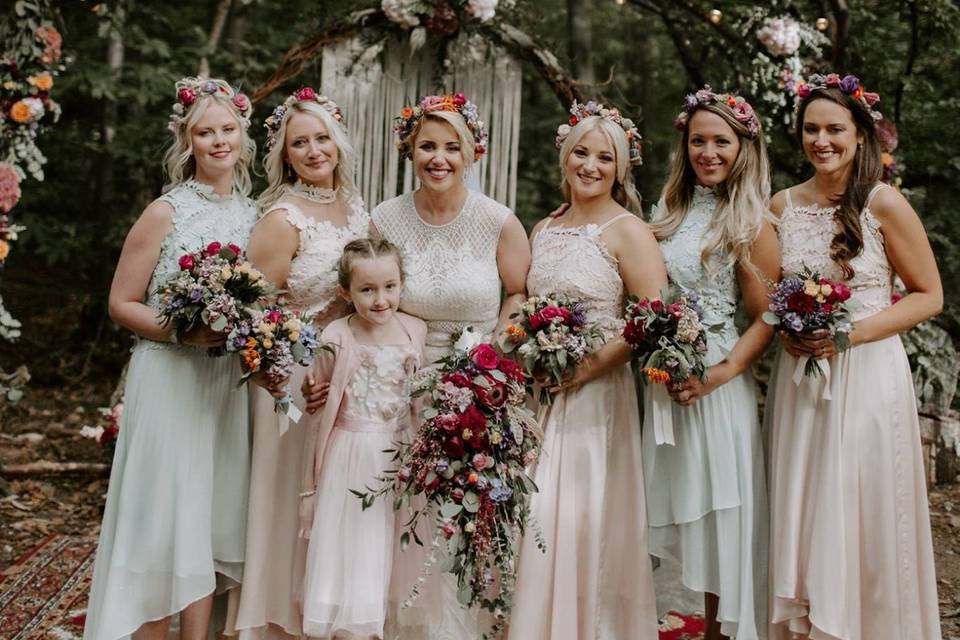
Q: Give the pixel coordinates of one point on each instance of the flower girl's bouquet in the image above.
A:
(551, 336)
(466, 467)
(216, 287)
(669, 340)
(805, 303)
(273, 340)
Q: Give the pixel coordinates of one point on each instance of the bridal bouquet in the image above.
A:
(273, 340)
(805, 303)
(669, 339)
(216, 287)
(468, 462)
(551, 336)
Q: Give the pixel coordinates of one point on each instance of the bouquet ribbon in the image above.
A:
(287, 412)
(662, 415)
(814, 382)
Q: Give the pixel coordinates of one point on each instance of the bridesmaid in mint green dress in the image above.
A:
(173, 530)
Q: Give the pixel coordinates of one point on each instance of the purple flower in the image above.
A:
(849, 84)
(208, 86)
(690, 102)
(196, 294)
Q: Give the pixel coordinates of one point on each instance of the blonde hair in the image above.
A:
(274, 163)
(455, 120)
(623, 192)
(365, 248)
(179, 164)
(743, 197)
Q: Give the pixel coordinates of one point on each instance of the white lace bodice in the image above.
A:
(200, 217)
(805, 236)
(312, 280)
(717, 287)
(452, 280)
(575, 261)
(377, 394)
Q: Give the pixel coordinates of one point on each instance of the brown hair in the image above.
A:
(866, 172)
(365, 248)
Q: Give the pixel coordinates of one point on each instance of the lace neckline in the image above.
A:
(314, 223)
(320, 195)
(207, 192)
(454, 219)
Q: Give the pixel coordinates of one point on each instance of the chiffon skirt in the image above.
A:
(851, 552)
(707, 501)
(173, 529)
(594, 582)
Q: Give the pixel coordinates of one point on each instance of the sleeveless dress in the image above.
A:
(706, 495)
(173, 529)
(350, 553)
(851, 553)
(451, 282)
(268, 603)
(595, 581)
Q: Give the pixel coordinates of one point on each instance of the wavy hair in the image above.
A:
(743, 198)
(624, 192)
(275, 162)
(179, 164)
(866, 172)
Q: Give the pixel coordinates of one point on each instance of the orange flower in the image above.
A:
(516, 334)
(251, 360)
(407, 113)
(20, 112)
(731, 101)
(858, 93)
(448, 104)
(886, 158)
(44, 81)
(657, 376)
(4, 250)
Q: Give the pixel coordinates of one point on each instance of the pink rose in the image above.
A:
(871, 97)
(241, 102)
(213, 248)
(186, 96)
(273, 316)
(403, 474)
(841, 291)
(551, 313)
(459, 99)
(457, 494)
(479, 461)
(305, 94)
(448, 530)
(484, 356)
(743, 112)
(833, 81)
(186, 262)
(803, 91)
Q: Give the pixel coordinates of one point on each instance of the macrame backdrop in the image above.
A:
(373, 84)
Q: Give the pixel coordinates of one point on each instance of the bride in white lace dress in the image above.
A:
(460, 248)
(312, 211)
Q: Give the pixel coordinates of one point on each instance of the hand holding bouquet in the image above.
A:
(552, 337)
(214, 288)
(669, 340)
(468, 461)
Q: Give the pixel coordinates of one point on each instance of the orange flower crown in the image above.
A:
(406, 122)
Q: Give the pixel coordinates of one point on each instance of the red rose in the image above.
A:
(458, 380)
(186, 96)
(656, 305)
(513, 370)
(306, 94)
(454, 448)
(213, 248)
(674, 309)
(484, 356)
(235, 248)
(460, 99)
(826, 307)
(566, 314)
(800, 302)
(537, 321)
(493, 395)
(449, 422)
(472, 419)
(186, 262)
(573, 121)
(634, 334)
(841, 291)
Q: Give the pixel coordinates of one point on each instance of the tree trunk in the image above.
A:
(216, 30)
(580, 39)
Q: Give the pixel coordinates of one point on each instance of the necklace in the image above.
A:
(320, 195)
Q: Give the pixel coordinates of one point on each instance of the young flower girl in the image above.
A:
(374, 351)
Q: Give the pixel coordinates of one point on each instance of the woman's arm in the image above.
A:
(513, 263)
(273, 245)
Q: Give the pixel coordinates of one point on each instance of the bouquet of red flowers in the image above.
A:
(216, 286)
(805, 303)
(551, 336)
(468, 461)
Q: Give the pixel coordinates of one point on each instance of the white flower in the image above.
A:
(94, 433)
(401, 12)
(482, 10)
(781, 36)
(468, 340)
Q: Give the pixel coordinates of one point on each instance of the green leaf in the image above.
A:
(498, 375)
(219, 324)
(404, 541)
(770, 318)
(471, 503)
(450, 509)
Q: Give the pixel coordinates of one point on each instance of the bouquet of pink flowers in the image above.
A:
(273, 340)
(551, 336)
(468, 460)
(805, 303)
(216, 286)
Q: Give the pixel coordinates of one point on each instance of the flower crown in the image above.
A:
(304, 94)
(189, 90)
(742, 110)
(849, 85)
(581, 111)
(406, 122)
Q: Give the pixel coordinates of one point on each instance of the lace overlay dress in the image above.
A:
(851, 555)
(350, 551)
(173, 529)
(452, 282)
(268, 604)
(706, 495)
(595, 580)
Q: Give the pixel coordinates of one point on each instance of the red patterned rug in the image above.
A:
(43, 595)
(678, 626)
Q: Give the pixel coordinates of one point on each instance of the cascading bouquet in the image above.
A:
(466, 467)
(216, 287)
(273, 340)
(805, 303)
(551, 336)
(669, 340)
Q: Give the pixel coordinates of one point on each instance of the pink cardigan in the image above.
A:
(339, 368)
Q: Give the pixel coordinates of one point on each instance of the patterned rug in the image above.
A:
(43, 595)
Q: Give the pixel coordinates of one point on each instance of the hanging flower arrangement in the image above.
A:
(442, 18)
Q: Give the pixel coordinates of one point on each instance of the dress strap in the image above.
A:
(547, 223)
(877, 188)
(789, 200)
(295, 215)
(610, 222)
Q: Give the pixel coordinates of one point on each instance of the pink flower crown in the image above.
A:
(406, 122)
(304, 94)
(742, 110)
(581, 111)
(189, 90)
(849, 85)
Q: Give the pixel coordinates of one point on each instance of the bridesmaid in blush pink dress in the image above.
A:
(594, 582)
(851, 556)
